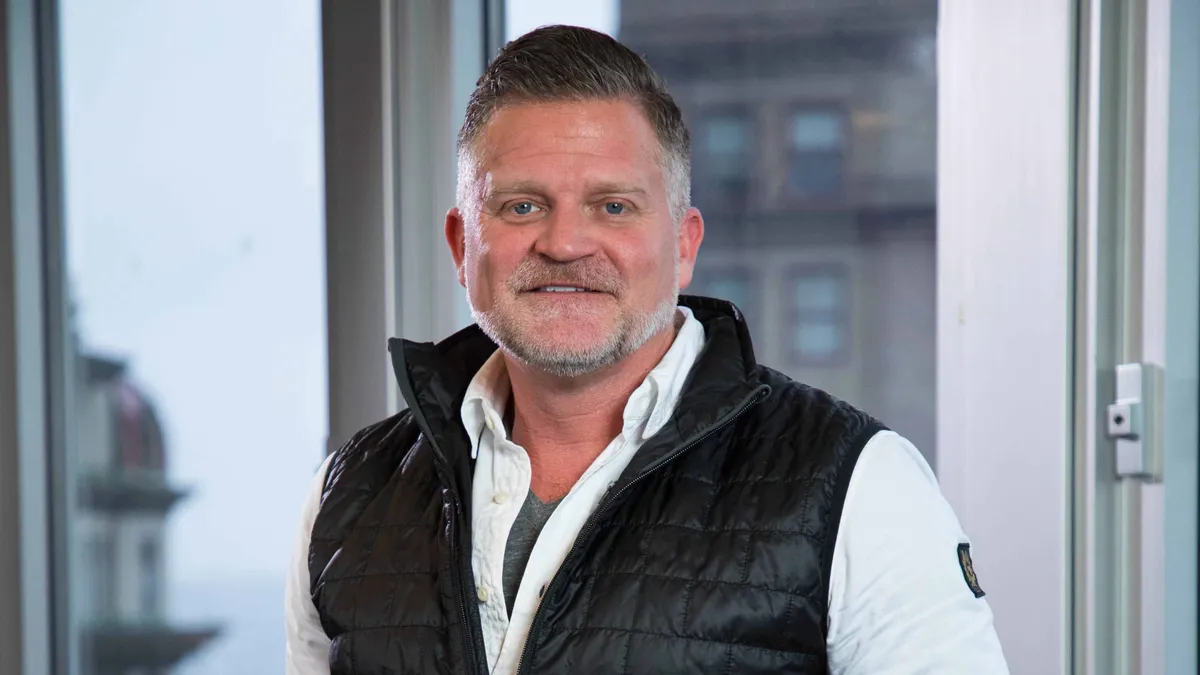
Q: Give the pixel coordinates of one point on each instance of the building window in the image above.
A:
(102, 568)
(819, 329)
(148, 580)
(725, 149)
(816, 146)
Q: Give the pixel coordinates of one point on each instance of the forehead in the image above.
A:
(609, 139)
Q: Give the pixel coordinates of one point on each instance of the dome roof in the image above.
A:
(139, 435)
(138, 441)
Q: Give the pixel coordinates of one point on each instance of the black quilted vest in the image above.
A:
(710, 555)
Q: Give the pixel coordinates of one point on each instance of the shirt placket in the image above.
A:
(510, 475)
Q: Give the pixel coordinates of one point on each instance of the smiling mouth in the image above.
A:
(562, 289)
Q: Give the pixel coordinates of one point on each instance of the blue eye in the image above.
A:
(614, 208)
(523, 208)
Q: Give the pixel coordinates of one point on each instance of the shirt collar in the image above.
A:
(654, 400)
(652, 403)
(486, 400)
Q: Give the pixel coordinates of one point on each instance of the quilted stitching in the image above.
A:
(697, 569)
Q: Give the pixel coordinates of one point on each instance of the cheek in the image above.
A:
(649, 268)
(488, 263)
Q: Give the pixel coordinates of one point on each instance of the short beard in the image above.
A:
(630, 336)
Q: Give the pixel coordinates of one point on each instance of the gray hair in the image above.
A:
(568, 63)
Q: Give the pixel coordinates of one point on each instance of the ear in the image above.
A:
(456, 233)
(691, 233)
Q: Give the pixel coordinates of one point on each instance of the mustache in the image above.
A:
(588, 273)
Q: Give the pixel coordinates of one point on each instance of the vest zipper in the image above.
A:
(468, 627)
(749, 402)
(464, 579)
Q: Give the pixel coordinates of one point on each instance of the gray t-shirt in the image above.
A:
(524, 533)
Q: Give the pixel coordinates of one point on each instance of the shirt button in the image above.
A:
(501, 498)
(483, 594)
(491, 425)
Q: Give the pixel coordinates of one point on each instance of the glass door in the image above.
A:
(1137, 300)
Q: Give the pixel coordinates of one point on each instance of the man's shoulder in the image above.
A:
(357, 472)
(799, 411)
(373, 447)
(791, 395)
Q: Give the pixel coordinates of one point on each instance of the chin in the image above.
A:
(569, 337)
(567, 360)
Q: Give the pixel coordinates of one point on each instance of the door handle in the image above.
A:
(1134, 421)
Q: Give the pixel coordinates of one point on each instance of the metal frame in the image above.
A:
(1138, 240)
(29, 254)
(1098, 309)
(358, 263)
(397, 77)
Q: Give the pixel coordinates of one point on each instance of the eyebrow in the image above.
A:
(616, 189)
(530, 187)
(523, 187)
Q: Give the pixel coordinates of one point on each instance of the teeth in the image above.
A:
(563, 289)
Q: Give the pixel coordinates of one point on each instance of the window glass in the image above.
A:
(816, 154)
(815, 130)
(814, 148)
(195, 248)
(724, 140)
(727, 142)
(820, 313)
(149, 582)
(817, 339)
(818, 293)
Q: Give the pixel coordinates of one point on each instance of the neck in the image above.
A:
(565, 423)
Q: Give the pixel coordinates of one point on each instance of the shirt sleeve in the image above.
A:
(900, 601)
(307, 644)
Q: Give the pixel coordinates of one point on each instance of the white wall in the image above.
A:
(1004, 196)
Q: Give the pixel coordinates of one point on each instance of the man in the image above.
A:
(599, 478)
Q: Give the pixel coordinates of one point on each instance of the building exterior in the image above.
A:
(121, 508)
(814, 163)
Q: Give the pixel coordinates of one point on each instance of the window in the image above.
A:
(820, 317)
(723, 161)
(102, 577)
(192, 160)
(816, 153)
(149, 580)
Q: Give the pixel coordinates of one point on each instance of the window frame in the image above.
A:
(394, 69)
(791, 198)
(704, 182)
(33, 373)
(841, 316)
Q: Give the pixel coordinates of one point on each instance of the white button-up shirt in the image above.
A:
(898, 600)
(502, 472)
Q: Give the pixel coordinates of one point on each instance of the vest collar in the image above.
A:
(433, 378)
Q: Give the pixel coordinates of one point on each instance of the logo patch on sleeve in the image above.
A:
(968, 569)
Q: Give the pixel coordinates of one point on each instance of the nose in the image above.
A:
(565, 236)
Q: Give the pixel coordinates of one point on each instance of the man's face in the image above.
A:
(566, 245)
